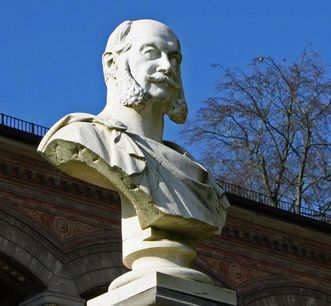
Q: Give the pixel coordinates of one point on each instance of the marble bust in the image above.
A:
(169, 202)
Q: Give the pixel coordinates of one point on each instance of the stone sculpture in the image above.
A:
(169, 202)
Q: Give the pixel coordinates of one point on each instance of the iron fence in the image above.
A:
(25, 126)
(266, 200)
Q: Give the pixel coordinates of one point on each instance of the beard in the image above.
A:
(131, 94)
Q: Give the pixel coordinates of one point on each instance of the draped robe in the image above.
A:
(168, 189)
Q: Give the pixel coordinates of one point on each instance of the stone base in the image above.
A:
(165, 290)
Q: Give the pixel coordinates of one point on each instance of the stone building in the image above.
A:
(60, 240)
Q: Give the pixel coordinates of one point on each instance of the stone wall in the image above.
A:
(60, 242)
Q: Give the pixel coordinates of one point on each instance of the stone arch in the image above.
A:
(82, 272)
(16, 282)
(286, 296)
(33, 257)
(217, 277)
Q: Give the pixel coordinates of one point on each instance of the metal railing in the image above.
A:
(25, 126)
(266, 200)
(39, 130)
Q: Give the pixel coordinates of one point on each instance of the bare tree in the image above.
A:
(269, 130)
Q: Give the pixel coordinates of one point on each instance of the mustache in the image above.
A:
(160, 77)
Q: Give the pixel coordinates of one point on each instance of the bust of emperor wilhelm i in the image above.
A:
(168, 200)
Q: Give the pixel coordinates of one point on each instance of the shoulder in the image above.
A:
(73, 118)
(66, 125)
(70, 119)
(178, 148)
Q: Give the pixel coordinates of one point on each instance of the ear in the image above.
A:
(108, 65)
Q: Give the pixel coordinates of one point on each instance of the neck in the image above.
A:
(149, 122)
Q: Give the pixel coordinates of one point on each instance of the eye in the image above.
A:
(151, 53)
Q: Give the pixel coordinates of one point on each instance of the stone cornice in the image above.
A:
(276, 241)
(39, 173)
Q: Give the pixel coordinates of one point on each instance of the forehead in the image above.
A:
(145, 33)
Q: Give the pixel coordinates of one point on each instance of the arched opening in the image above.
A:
(16, 282)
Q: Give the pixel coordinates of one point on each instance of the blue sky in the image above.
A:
(51, 51)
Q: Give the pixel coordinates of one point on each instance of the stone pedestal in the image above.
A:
(153, 250)
(165, 290)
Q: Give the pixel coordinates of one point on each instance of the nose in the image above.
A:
(164, 64)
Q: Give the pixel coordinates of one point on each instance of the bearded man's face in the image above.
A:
(153, 60)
